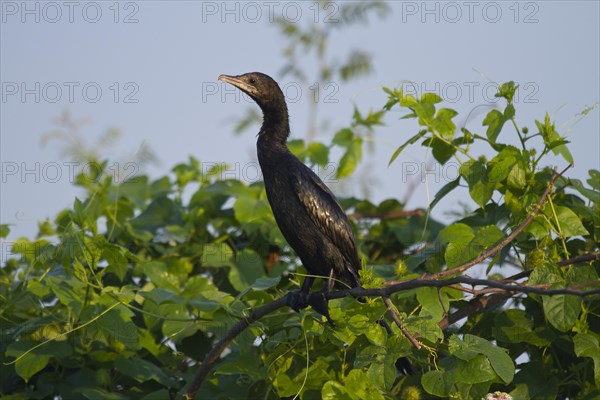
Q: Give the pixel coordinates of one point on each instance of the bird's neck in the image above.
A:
(275, 128)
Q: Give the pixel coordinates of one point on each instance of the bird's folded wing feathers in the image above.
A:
(324, 211)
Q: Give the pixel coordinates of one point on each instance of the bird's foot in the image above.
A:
(300, 300)
(319, 303)
(297, 300)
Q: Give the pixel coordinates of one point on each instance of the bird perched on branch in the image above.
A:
(307, 213)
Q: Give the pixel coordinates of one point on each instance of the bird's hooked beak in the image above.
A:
(239, 83)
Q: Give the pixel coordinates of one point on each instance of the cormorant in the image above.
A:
(306, 211)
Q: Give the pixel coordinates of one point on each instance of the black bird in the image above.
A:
(307, 213)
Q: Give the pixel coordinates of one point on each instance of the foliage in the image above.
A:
(126, 291)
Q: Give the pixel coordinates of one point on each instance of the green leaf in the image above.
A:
(509, 112)
(502, 164)
(407, 100)
(246, 269)
(161, 212)
(591, 194)
(443, 124)
(534, 383)
(408, 142)
(159, 275)
(360, 387)
(119, 327)
(30, 364)
(494, 120)
(350, 159)
(318, 153)
(594, 180)
(480, 188)
(95, 393)
(441, 150)
(426, 326)
(431, 98)
(472, 345)
(507, 90)
(434, 383)
(177, 323)
(447, 188)
(517, 178)
(570, 224)
(70, 292)
(588, 346)
(217, 255)
(476, 370)
(265, 283)
(297, 148)
(117, 262)
(515, 326)
(429, 299)
(458, 232)
(562, 310)
(4, 230)
(143, 371)
(550, 135)
(488, 236)
(343, 137)
(36, 360)
(160, 295)
(547, 274)
(333, 390)
(376, 334)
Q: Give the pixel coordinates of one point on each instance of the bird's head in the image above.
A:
(261, 88)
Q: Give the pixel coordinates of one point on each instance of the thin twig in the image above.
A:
(476, 305)
(574, 260)
(395, 317)
(509, 238)
(388, 215)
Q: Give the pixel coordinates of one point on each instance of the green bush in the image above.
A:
(123, 294)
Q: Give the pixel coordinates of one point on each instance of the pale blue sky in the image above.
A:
(176, 50)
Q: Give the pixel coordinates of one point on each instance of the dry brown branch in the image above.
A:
(474, 306)
(389, 215)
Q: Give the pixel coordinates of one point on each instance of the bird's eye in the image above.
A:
(252, 81)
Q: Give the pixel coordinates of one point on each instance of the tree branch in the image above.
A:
(394, 314)
(384, 292)
(509, 288)
(574, 260)
(476, 305)
(388, 215)
(218, 348)
(419, 282)
(509, 238)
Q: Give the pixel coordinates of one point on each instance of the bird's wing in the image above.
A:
(325, 212)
